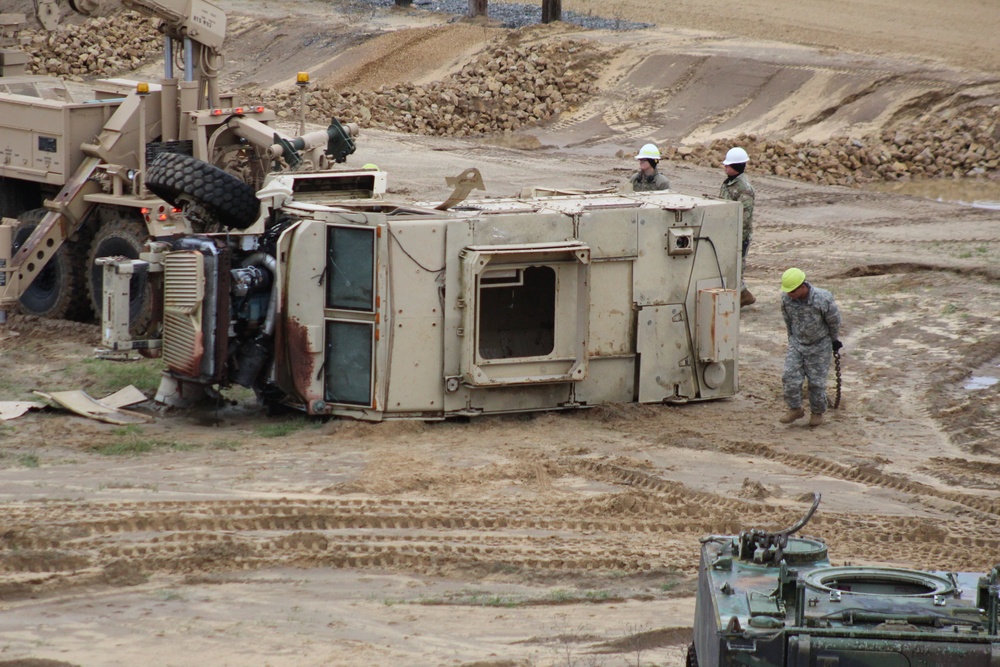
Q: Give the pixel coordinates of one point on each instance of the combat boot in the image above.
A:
(747, 298)
(816, 418)
(792, 415)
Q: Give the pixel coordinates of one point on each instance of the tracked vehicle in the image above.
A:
(774, 600)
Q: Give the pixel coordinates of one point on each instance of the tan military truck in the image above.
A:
(93, 169)
(338, 301)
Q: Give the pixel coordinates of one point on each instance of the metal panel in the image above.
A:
(658, 277)
(611, 380)
(612, 318)
(610, 233)
(717, 324)
(183, 294)
(522, 398)
(507, 229)
(665, 360)
(414, 380)
(459, 235)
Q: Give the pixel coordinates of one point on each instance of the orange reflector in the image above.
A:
(378, 302)
(238, 109)
(216, 112)
(378, 318)
(175, 210)
(378, 232)
(259, 109)
(163, 216)
(376, 334)
(144, 210)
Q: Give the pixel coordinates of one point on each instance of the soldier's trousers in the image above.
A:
(743, 269)
(810, 362)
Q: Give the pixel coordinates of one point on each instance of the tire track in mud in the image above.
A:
(652, 524)
(987, 508)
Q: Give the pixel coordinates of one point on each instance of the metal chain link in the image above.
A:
(836, 362)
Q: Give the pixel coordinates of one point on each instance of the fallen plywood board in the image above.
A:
(14, 409)
(130, 395)
(83, 404)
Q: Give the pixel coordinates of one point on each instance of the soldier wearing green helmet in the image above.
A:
(812, 321)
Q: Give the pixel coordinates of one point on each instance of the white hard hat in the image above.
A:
(736, 156)
(648, 152)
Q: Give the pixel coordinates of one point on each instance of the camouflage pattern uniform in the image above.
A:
(739, 189)
(813, 324)
(642, 183)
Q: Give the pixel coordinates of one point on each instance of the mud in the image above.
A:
(227, 536)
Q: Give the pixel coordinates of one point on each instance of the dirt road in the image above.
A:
(226, 537)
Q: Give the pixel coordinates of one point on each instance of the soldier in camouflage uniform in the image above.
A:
(648, 179)
(737, 187)
(812, 320)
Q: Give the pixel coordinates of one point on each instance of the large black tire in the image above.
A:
(17, 197)
(692, 657)
(57, 291)
(122, 233)
(174, 176)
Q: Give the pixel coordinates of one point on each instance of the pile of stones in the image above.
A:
(513, 86)
(505, 89)
(960, 144)
(96, 48)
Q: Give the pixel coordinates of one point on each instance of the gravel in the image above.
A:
(515, 15)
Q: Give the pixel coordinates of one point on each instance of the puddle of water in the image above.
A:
(980, 382)
(969, 192)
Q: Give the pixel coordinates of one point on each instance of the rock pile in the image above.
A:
(512, 87)
(95, 48)
(505, 89)
(960, 144)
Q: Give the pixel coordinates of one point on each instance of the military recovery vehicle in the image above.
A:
(93, 169)
(773, 600)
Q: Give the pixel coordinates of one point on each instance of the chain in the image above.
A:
(836, 362)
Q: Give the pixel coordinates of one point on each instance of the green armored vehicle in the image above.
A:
(770, 599)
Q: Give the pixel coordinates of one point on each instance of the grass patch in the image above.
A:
(28, 460)
(283, 428)
(106, 377)
(168, 595)
(131, 440)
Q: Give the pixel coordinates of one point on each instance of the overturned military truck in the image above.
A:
(774, 600)
(338, 301)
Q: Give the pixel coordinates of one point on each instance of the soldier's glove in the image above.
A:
(837, 345)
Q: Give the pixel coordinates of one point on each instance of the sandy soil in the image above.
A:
(227, 537)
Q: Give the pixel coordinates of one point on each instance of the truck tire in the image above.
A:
(57, 290)
(692, 657)
(174, 176)
(121, 235)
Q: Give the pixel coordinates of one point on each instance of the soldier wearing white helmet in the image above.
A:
(737, 188)
(648, 178)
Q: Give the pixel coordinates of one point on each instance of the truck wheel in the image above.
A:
(174, 177)
(121, 235)
(56, 291)
(692, 657)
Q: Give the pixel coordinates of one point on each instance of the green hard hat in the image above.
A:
(791, 279)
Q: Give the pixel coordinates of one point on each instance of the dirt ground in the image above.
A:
(227, 537)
